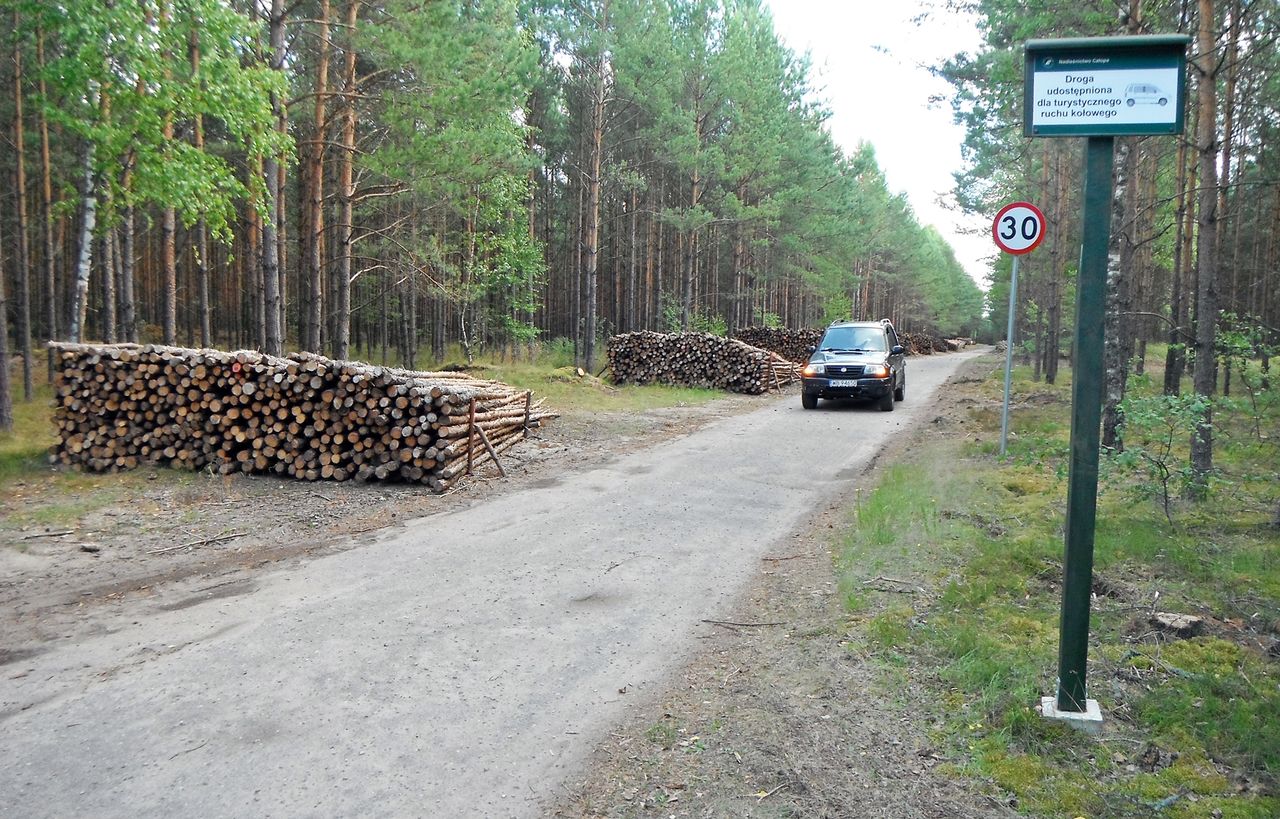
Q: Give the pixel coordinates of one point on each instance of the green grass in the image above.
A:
(25, 450)
(987, 534)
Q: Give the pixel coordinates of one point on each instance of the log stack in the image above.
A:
(697, 360)
(921, 343)
(305, 416)
(793, 345)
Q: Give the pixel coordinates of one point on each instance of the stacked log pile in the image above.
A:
(793, 345)
(697, 360)
(925, 344)
(306, 416)
(922, 343)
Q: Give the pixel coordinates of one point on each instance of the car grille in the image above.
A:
(844, 371)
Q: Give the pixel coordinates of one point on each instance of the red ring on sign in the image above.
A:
(995, 228)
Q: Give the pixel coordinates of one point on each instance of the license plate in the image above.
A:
(844, 382)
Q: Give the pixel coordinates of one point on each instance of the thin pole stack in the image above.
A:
(697, 360)
(305, 416)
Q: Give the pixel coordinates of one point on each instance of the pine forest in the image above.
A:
(394, 180)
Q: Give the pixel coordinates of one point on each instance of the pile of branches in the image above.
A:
(793, 345)
(306, 416)
(697, 360)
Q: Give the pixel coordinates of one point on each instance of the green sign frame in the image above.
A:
(1105, 86)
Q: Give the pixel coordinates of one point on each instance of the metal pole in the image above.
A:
(1008, 357)
(1086, 417)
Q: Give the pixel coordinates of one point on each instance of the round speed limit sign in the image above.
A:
(1019, 228)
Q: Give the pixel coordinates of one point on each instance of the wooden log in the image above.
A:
(120, 405)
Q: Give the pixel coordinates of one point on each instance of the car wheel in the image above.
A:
(1164, 101)
(901, 392)
(808, 400)
(886, 402)
(1131, 102)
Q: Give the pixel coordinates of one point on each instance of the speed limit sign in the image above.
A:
(1019, 228)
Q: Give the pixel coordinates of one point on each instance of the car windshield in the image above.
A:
(853, 338)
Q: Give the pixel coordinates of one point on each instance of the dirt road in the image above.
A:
(462, 665)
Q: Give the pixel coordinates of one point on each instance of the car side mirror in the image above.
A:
(897, 349)
(813, 348)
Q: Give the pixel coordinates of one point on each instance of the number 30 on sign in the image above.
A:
(1019, 228)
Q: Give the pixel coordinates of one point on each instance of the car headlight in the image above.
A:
(875, 371)
(814, 369)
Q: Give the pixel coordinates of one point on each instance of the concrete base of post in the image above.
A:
(1088, 720)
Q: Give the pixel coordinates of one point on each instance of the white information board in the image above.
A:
(1084, 95)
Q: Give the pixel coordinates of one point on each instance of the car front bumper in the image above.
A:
(862, 388)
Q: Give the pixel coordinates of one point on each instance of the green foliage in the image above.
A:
(1156, 431)
(701, 320)
(117, 72)
(767, 319)
(455, 74)
(837, 307)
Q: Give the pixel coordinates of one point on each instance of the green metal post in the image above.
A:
(1086, 418)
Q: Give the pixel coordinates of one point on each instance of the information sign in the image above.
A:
(1105, 86)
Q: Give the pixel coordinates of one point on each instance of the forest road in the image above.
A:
(462, 665)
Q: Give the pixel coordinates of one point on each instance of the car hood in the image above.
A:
(835, 357)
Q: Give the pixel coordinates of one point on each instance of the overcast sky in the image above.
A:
(870, 65)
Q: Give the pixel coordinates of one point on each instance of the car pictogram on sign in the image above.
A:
(1144, 93)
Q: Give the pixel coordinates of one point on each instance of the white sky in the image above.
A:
(870, 66)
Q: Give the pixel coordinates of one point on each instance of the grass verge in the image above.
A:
(1192, 723)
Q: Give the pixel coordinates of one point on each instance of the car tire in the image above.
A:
(1131, 103)
(808, 400)
(886, 402)
(1164, 101)
(901, 392)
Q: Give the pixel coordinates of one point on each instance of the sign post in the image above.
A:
(1018, 229)
(1098, 88)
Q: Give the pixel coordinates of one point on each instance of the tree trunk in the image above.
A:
(690, 254)
(273, 341)
(6, 393)
(311, 231)
(168, 228)
(23, 277)
(46, 173)
(108, 257)
(89, 208)
(1053, 337)
(202, 229)
(1119, 299)
(128, 314)
(346, 189)
(592, 230)
(1204, 375)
